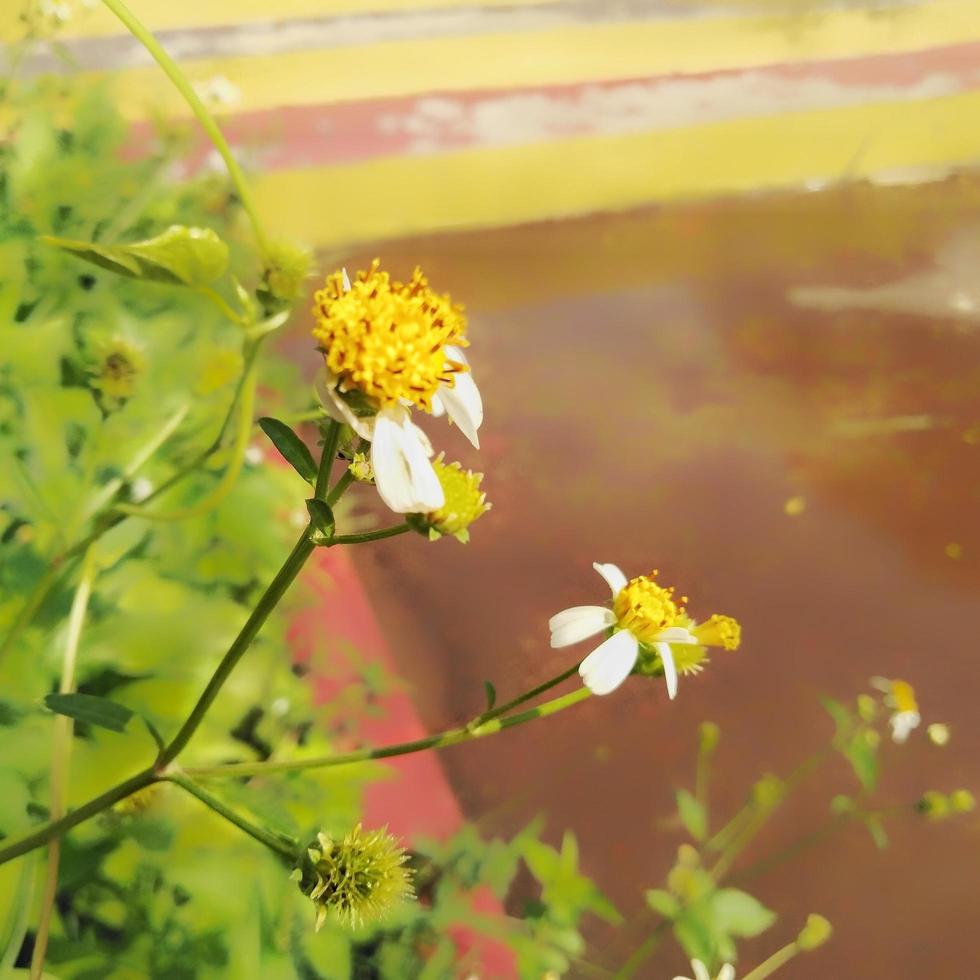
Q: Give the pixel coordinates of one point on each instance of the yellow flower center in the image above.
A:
(465, 502)
(719, 631)
(645, 608)
(903, 696)
(387, 339)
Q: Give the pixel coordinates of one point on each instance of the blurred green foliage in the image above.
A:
(93, 366)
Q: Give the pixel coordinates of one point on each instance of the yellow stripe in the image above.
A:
(165, 15)
(392, 197)
(570, 54)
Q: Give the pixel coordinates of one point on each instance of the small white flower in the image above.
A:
(899, 695)
(727, 972)
(644, 618)
(254, 455)
(140, 489)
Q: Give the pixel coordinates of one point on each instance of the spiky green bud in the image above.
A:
(360, 877)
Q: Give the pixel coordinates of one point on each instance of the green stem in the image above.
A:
(61, 757)
(340, 488)
(766, 864)
(220, 302)
(284, 848)
(270, 599)
(526, 696)
(385, 532)
(778, 959)
(331, 439)
(58, 828)
(173, 72)
(642, 952)
(452, 736)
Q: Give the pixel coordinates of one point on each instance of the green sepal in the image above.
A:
(322, 519)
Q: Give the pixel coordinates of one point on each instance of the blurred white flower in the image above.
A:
(727, 972)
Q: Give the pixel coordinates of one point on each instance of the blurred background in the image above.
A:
(720, 263)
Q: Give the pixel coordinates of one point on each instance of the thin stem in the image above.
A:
(279, 845)
(61, 757)
(452, 736)
(340, 488)
(224, 486)
(642, 952)
(526, 696)
(331, 440)
(58, 828)
(766, 864)
(220, 302)
(385, 532)
(173, 72)
(270, 599)
(778, 959)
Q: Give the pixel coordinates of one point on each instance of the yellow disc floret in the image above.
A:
(465, 501)
(903, 696)
(645, 608)
(388, 339)
(719, 631)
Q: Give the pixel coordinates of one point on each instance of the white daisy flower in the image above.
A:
(645, 623)
(390, 347)
(727, 972)
(900, 697)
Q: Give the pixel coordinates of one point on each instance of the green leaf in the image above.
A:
(491, 693)
(692, 815)
(877, 830)
(663, 903)
(88, 708)
(740, 914)
(291, 447)
(843, 718)
(321, 515)
(863, 759)
(179, 256)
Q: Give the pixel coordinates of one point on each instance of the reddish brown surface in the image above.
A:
(653, 399)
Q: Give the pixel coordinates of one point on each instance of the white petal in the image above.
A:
(325, 387)
(684, 978)
(579, 623)
(465, 406)
(902, 723)
(610, 663)
(670, 669)
(727, 972)
(405, 479)
(345, 279)
(700, 970)
(614, 577)
(438, 409)
(676, 634)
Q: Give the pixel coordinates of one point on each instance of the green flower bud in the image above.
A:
(361, 468)
(465, 502)
(287, 267)
(360, 877)
(867, 707)
(768, 791)
(962, 801)
(934, 805)
(708, 734)
(815, 933)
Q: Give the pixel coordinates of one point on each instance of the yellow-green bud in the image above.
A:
(361, 468)
(938, 733)
(768, 791)
(709, 734)
(867, 707)
(117, 367)
(287, 267)
(962, 801)
(934, 805)
(815, 933)
(465, 502)
(360, 877)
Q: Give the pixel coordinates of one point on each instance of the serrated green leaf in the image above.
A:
(738, 913)
(292, 449)
(91, 709)
(692, 815)
(178, 256)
